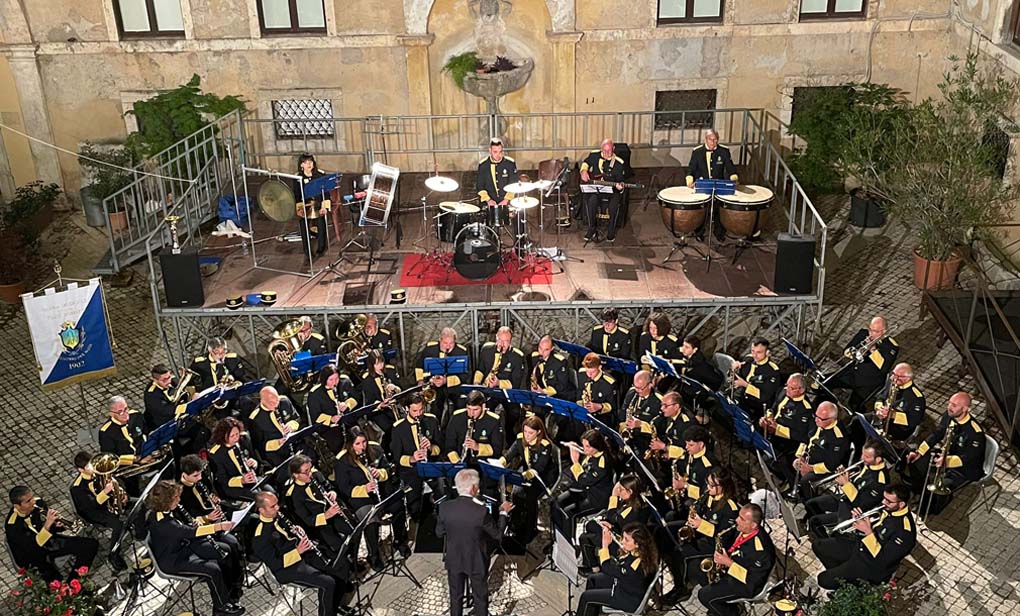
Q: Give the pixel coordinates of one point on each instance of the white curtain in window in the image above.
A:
(276, 13)
(849, 6)
(168, 16)
(814, 6)
(310, 14)
(707, 8)
(672, 9)
(133, 15)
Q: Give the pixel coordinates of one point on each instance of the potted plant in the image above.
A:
(103, 169)
(857, 600)
(13, 266)
(30, 211)
(34, 596)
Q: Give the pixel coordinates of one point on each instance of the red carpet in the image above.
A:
(438, 273)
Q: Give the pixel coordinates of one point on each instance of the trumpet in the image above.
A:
(62, 525)
(839, 471)
(847, 526)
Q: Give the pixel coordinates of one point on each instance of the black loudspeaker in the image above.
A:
(182, 279)
(795, 264)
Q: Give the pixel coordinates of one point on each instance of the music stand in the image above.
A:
(304, 362)
(571, 348)
(872, 434)
(713, 188)
(622, 366)
(803, 359)
(789, 519)
(138, 578)
(445, 366)
(591, 189)
(272, 472)
(161, 436)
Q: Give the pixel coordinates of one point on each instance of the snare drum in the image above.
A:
(476, 253)
(453, 217)
(742, 214)
(682, 209)
(497, 216)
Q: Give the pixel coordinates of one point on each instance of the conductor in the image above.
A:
(467, 555)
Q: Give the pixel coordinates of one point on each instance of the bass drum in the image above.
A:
(277, 200)
(476, 253)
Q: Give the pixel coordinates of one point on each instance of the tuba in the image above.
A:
(353, 343)
(282, 348)
(104, 465)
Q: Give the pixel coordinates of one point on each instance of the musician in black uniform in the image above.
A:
(626, 569)
(711, 161)
(603, 164)
(862, 490)
(35, 536)
(159, 407)
(310, 208)
(380, 383)
(596, 390)
(757, 377)
(233, 468)
(827, 449)
(626, 506)
(218, 365)
(668, 429)
(874, 557)
(494, 173)
(532, 454)
(379, 338)
(311, 342)
(963, 461)
(415, 438)
(610, 338)
(591, 477)
(899, 420)
(746, 563)
(332, 396)
(473, 432)
(293, 559)
(199, 506)
(93, 498)
(696, 366)
(500, 364)
(174, 546)
(692, 470)
(318, 510)
(550, 372)
(790, 423)
(362, 474)
(714, 512)
(469, 529)
(635, 418)
(271, 424)
(124, 435)
(657, 340)
(870, 356)
(447, 387)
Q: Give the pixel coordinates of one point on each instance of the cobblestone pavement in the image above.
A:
(965, 563)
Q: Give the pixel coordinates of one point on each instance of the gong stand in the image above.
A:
(254, 241)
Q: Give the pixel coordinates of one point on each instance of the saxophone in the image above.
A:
(686, 533)
(629, 412)
(672, 493)
(586, 395)
(711, 570)
(496, 361)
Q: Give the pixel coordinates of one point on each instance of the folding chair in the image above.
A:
(991, 456)
(175, 594)
(644, 601)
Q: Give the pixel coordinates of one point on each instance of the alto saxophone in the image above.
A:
(686, 533)
(629, 412)
(496, 361)
(708, 566)
(586, 395)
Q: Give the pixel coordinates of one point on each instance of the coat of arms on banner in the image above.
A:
(71, 336)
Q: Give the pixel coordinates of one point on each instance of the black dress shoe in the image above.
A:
(590, 236)
(229, 610)
(405, 550)
(679, 594)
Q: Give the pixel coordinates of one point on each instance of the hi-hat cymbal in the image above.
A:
(542, 184)
(457, 207)
(523, 203)
(519, 188)
(439, 183)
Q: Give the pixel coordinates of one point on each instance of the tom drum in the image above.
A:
(742, 214)
(453, 217)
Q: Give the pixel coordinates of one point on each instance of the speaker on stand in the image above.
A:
(182, 279)
(795, 264)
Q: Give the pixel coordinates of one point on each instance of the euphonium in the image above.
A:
(937, 485)
(104, 465)
(188, 375)
(711, 570)
(282, 348)
(353, 344)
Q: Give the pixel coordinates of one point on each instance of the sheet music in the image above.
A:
(596, 188)
(494, 462)
(240, 515)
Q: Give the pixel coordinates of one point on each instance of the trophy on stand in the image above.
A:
(176, 245)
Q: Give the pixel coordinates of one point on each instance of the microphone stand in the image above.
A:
(558, 255)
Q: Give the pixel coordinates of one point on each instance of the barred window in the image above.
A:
(833, 9)
(149, 18)
(696, 105)
(689, 11)
(303, 118)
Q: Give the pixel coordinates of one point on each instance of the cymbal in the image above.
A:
(523, 203)
(457, 207)
(439, 183)
(542, 184)
(519, 187)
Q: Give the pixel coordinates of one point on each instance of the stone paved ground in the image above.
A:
(966, 563)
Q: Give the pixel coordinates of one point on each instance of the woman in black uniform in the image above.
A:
(627, 568)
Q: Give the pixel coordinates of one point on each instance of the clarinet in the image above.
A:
(324, 494)
(190, 521)
(300, 533)
(372, 471)
(243, 459)
(207, 497)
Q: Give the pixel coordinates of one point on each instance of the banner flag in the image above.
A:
(70, 334)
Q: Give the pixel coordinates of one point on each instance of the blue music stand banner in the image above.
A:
(872, 434)
(251, 387)
(492, 393)
(162, 435)
(609, 432)
(799, 356)
(497, 473)
(446, 365)
(321, 184)
(624, 366)
(743, 426)
(662, 365)
(523, 396)
(571, 348)
(435, 470)
(304, 362)
(717, 187)
(569, 409)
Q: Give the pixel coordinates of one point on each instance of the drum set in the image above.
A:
(742, 215)
(485, 239)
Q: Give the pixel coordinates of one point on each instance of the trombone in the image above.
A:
(847, 526)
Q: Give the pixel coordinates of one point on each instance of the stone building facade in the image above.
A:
(69, 69)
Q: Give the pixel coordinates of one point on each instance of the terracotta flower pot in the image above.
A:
(934, 275)
(118, 221)
(11, 293)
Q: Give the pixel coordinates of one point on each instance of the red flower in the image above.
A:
(69, 611)
(75, 587)
(15, 593)
(55, 585)
(46, 610)
(887, 596)
(83, 570)
(28, 582)
(22, 571)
